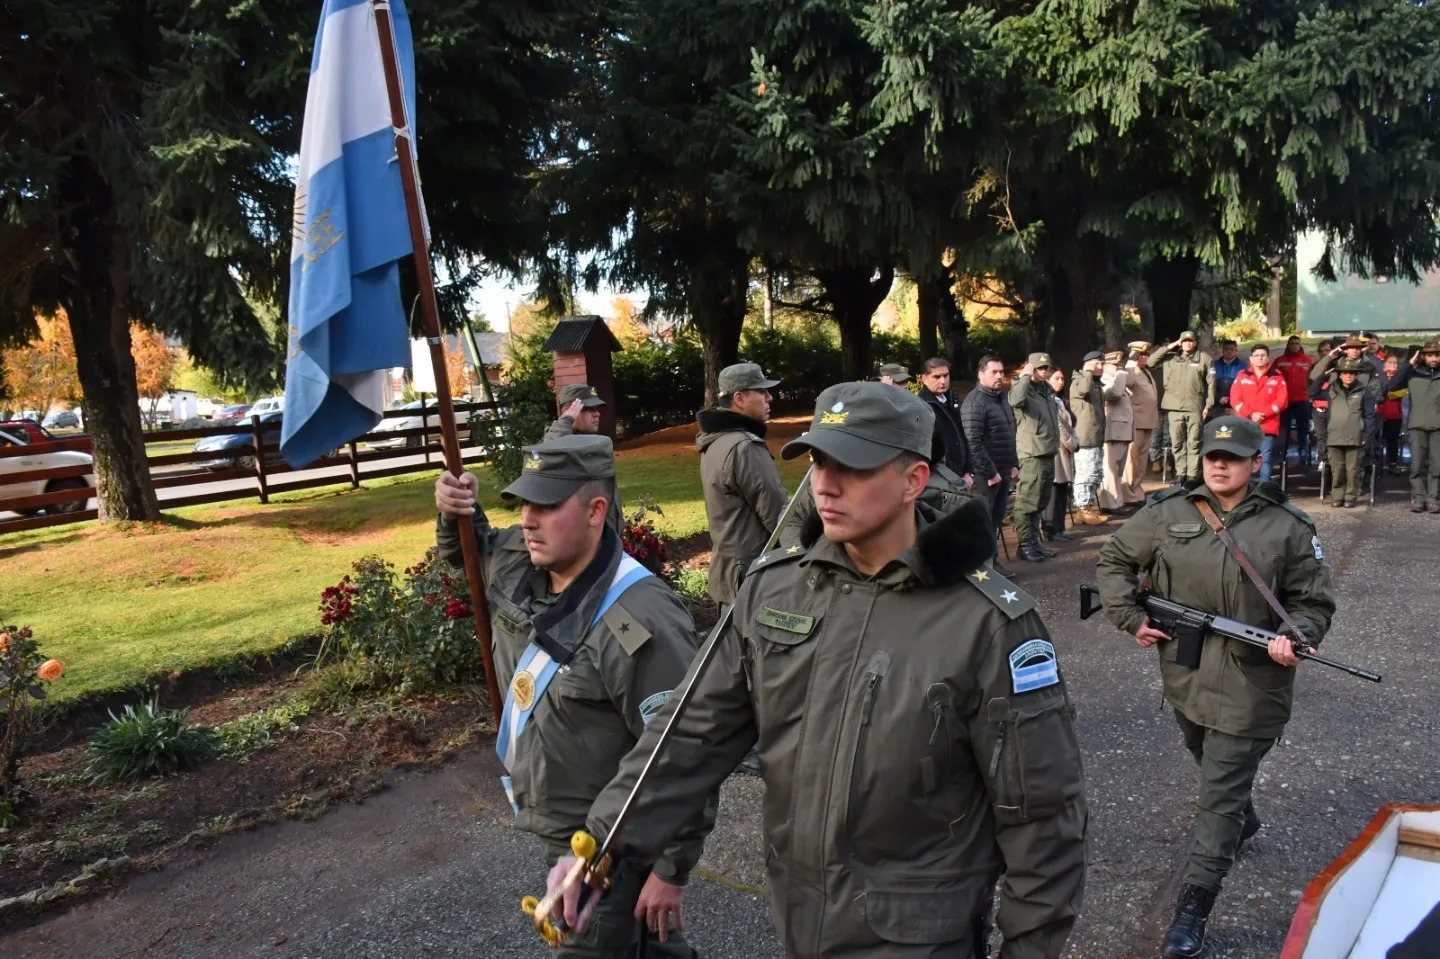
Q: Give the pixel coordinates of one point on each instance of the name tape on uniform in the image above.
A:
(790, 622)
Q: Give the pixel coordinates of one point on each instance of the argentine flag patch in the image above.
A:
(1033, 666)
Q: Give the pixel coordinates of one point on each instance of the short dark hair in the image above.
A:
(986, 360)
(934, 363)
(723, 400)
(1293, 338)
(1259, 346)
(602, 488)
(1325, 345)
(1225, 343)
(908, 459)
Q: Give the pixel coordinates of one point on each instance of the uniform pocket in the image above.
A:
(925, 911)
(1031, 783)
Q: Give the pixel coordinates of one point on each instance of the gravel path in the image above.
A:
(430, 867)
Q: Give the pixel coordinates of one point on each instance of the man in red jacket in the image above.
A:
(1294, 365)
(1260, 394)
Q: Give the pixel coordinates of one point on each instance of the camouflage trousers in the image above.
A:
(1228, 765)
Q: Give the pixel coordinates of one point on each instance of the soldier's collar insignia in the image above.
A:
(836, 415)
(1224, 433)
(533, 462)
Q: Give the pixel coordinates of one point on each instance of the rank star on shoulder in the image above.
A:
(1009, 596)
(793, 550)
(981, 576)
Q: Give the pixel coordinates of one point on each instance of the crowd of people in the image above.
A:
(871, 646)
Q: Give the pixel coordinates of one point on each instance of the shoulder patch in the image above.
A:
(1011, 599)
(775, 557)
(1033, 666)
(652, 705)
(626, 629)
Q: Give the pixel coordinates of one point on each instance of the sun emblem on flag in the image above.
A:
(523, 688)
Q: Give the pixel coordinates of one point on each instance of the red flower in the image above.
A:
(455, 609)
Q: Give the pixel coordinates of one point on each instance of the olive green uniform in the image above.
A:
(1351, 427)
(744, 497)
(904, 774)
(1187, 390)
(624, 666)
(1233, 707)
(1037, 440)
(1422, 429)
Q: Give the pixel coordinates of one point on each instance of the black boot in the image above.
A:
(1030, 541)
(1036, 540)
(1252, 822)
(1186, 938)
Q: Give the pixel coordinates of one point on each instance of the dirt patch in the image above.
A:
(69, 823)
(674, 440)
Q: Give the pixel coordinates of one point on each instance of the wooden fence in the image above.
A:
(258, 462)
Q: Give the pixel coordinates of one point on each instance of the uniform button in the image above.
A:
(845, 588)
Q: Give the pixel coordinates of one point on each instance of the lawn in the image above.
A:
(213, 582)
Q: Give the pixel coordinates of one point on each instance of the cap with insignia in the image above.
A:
(865, 425)
(1353, 342)
(1234, 435)
(744, 376)
(1348, 365)
(1432, 347)
(583, 392)
(1039, 360)
(1092, 355)
(896, 372)
(555, 469)
(1189, 335)
(1138, 346)
(1114, 356)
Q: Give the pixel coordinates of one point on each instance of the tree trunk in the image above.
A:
(1073, 324)
(927, 312)
(1171, 284)
(854, 294)
(717, 305)
(950, 320)
(767, 277)
(1114, 327)
(98, 307)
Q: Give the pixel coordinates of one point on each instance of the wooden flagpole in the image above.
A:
(430, 312)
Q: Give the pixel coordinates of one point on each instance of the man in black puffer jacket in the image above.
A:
(989, 425)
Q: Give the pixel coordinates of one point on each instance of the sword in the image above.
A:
(592, 868)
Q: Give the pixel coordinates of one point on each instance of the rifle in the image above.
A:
(1188, 626)
(594, 860)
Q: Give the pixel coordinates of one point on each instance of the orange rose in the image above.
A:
(51, 670)
(4, 642)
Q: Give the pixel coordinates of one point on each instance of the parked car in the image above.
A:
(432, 419)
(37, 457)
(237, 450)
(63, 420)
(40, 436)
(270, 404)
(235, 412)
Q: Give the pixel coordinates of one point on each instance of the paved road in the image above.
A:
(430, 868)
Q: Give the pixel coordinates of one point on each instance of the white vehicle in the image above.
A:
(270, 404)
(431, 419)
(40, 458)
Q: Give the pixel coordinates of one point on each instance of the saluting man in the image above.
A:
(590, 645)
(580, 413)
(1234, 704)
(912, 719)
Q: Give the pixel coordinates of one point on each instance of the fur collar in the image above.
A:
(951, 546)
(720, 420)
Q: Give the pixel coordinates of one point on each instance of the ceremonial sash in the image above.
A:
(536, 669)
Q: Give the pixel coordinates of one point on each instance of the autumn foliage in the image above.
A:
(42, 372)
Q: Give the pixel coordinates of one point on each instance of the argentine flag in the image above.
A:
(347, 324)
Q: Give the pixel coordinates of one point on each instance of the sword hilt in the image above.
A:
(594, 878)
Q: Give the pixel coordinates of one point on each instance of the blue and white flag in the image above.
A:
(347, 324)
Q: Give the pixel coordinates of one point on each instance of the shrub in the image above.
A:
(1244, 330)
(692, 583)
(148, 741)
(1005, 340)
(643, 541)
(23, 675)
(414, 633)
(252, 732)
(528, 401)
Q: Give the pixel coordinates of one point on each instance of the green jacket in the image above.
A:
(1352, 414)
(1087, 402)
(1037, 420)
(1424, 386)
(624, 667)
(1187, 382)
(743, 495)
(903, 774)
(1237, 689)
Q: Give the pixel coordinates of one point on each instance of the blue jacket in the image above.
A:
(1225, 374)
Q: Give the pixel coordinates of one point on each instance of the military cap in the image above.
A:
(865, 425)
(1432, 347)
(1353, 342)
(583, 392)
(1232, 434)
(1092, 355)
(1039, 360)
(555, 469)
(744, 376)
(1189, 335)
(1114, 356)
(1138, 346)
(1348, 365)
(896, 372)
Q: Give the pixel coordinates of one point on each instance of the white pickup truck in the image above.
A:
(40, 457)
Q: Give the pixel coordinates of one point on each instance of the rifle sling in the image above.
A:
(1207, 512)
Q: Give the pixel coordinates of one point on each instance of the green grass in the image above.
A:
(214, 582)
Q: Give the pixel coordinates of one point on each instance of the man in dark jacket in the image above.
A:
(989, 427)
(949, 440)
(1421, 373)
